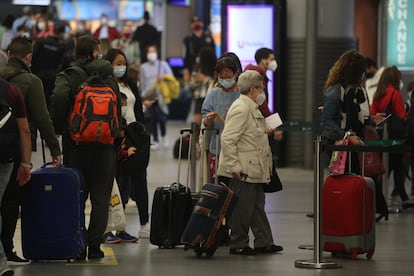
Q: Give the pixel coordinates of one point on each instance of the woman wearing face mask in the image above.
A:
(245, 164)
(388, 98)
(131, 112)
(152, 71)
(218, 101)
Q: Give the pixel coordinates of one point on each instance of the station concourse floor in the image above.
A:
(286, 210)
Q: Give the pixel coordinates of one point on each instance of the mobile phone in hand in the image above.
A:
(384, 119)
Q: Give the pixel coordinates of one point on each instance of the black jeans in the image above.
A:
(395, 164)
(97, 165)
(157, 118)
(140, 190)
(12, 199)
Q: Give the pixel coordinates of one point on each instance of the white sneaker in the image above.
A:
(5, 270)
(155, 146)
(144, 231)
(165, 141)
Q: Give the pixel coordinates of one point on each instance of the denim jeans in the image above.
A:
(5, 173)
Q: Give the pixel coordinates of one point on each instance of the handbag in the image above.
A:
(274, 185)
(338, 158)
(116, 214)
(395, 126)
(373, 165)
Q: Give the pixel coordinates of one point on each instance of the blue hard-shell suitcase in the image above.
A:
(53, 216)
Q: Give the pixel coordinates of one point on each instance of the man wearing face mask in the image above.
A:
(192, 45)
(146, 35)
(105, 31)
(17, 71)
(265, 59)
(245, 164)
(130, 48)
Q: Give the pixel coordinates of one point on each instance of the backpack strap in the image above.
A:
(79, 71)
(5, 109)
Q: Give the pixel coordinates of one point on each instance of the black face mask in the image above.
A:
(369, 75)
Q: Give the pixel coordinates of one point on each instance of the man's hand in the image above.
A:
(131, 151)
(23, 175)
(57, 161)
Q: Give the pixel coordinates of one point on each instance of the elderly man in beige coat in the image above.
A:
(245, 164)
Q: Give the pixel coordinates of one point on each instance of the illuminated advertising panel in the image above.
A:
(250, 27)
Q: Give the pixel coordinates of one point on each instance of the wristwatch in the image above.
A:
(26, 165)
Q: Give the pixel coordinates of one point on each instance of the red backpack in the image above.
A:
(94, 117)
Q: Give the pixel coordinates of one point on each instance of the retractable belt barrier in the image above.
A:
(386, 146)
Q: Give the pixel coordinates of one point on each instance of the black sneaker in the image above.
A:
(95, 252)
(247, 251)
(13, 259)
(268, 249)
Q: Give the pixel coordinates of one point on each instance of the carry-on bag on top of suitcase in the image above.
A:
(53, 216)
(171, 208)
(204, 231)
(348, 215)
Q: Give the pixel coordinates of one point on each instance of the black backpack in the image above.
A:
(137, 136)
(9, 135)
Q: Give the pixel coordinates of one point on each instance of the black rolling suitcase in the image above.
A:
(206, 228)
(171, 209)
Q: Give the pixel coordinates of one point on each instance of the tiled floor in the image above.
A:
(291, 228)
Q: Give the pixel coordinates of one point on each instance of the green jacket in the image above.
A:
(18, 73)
(67, 84)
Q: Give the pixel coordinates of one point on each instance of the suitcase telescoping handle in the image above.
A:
(183, 131)
(217, 133)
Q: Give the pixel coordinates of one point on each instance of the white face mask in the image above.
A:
(152, 56)
(41, 26)
(401, 85)
(260, 98)
(119, 71)
(124, 110)
(272, 65)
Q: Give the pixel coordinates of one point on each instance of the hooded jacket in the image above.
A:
(18, 73)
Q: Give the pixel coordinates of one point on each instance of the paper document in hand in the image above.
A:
(273, 121)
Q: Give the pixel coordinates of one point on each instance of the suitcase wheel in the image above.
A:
(354, 253)
(370, 253)
(198, 252)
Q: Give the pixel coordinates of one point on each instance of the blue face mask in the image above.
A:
(227, 83)
(119, 71)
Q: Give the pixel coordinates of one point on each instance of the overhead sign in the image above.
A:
(400, 33)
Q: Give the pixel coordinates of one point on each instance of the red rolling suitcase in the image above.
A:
(348, 215)
(53, 216)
